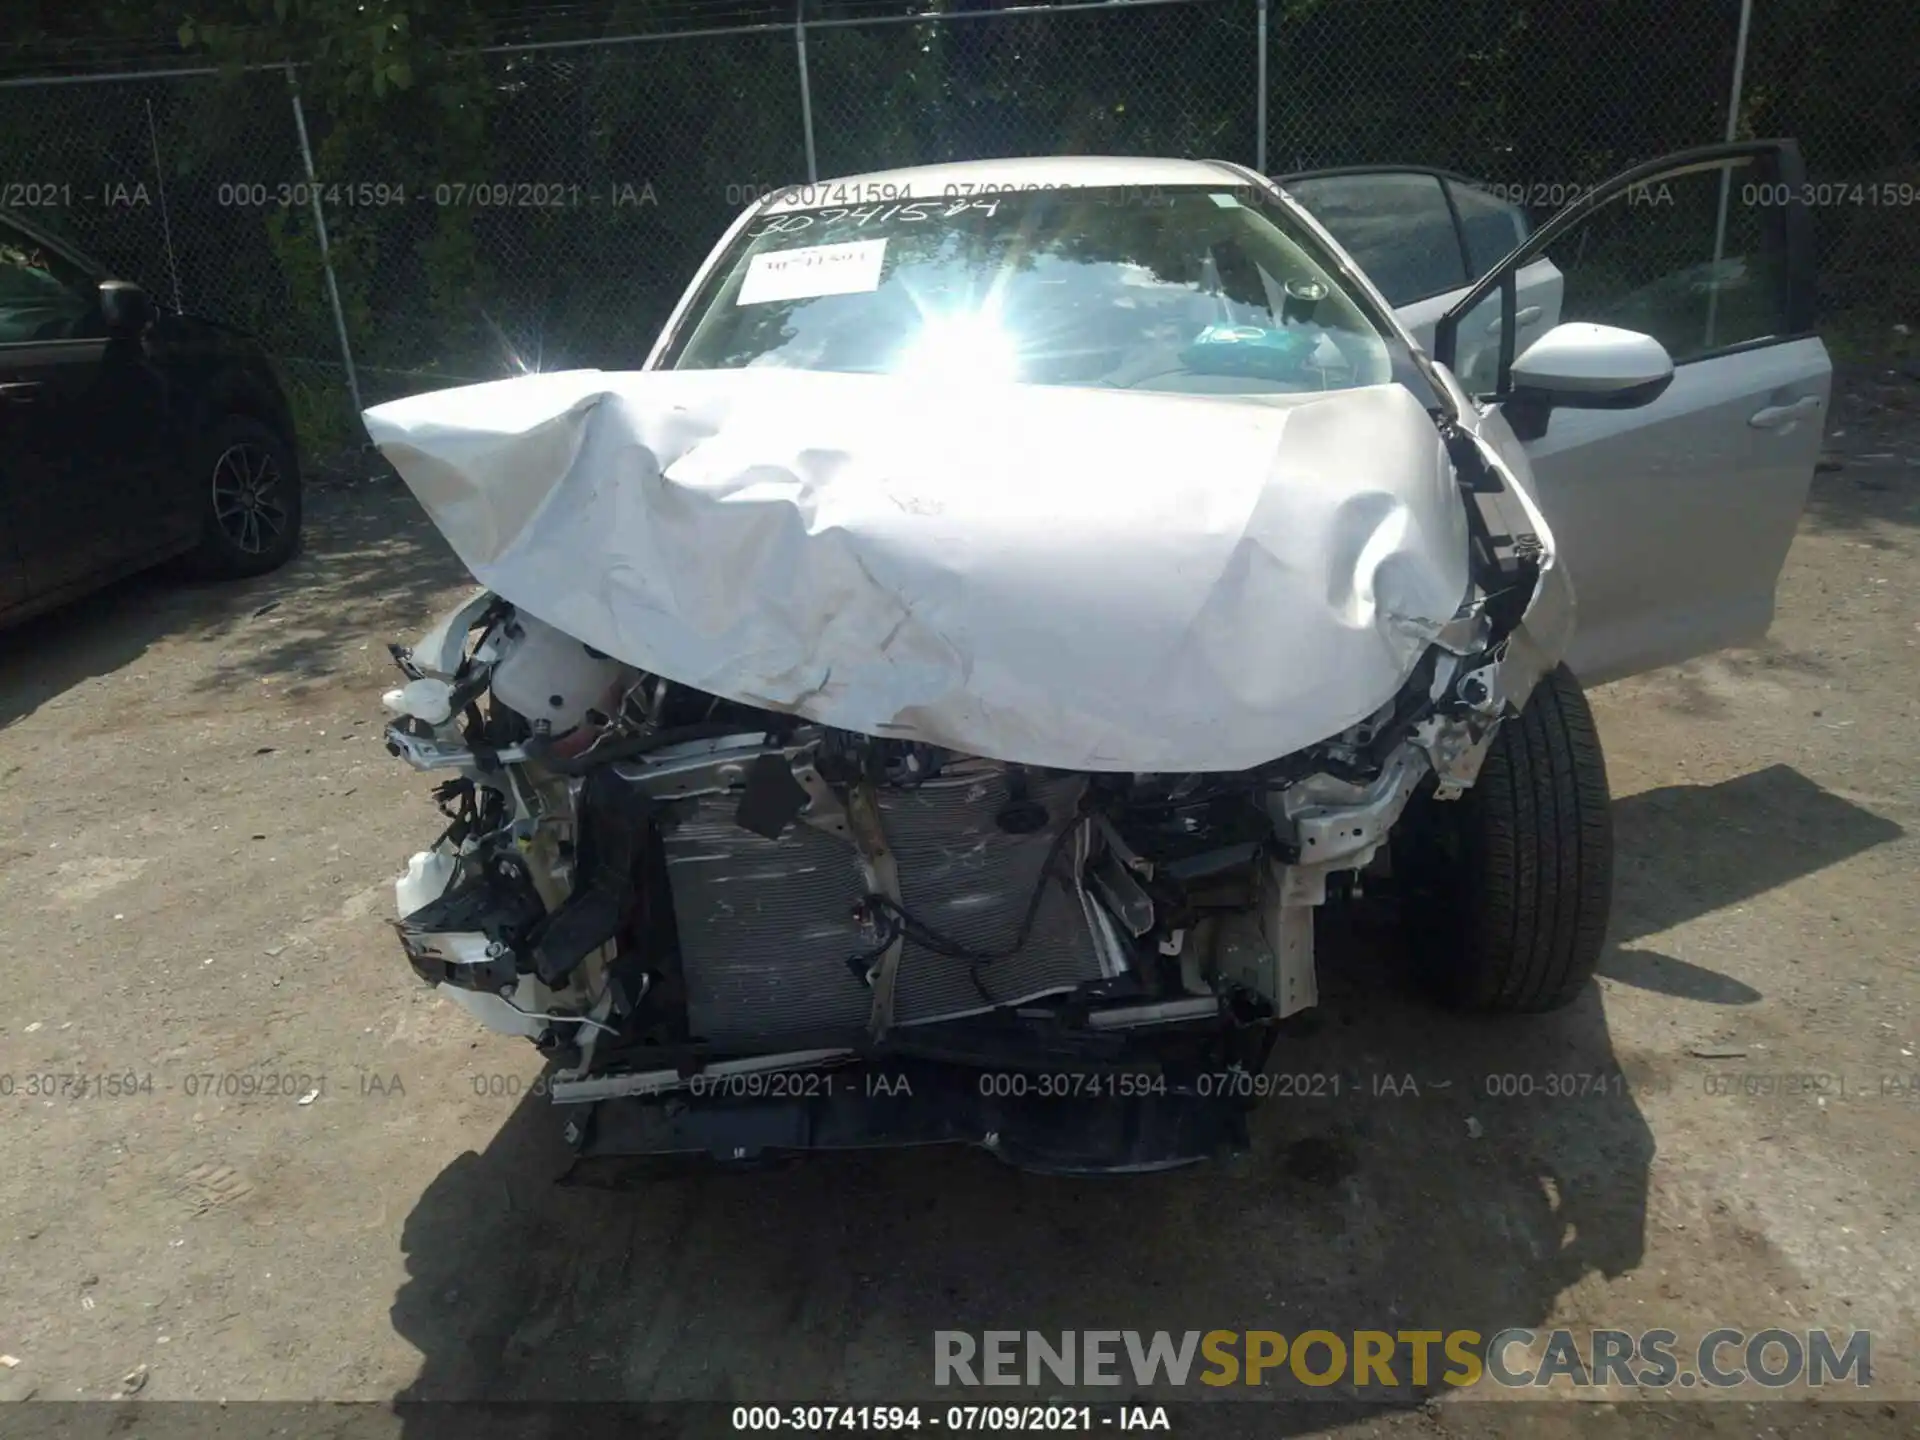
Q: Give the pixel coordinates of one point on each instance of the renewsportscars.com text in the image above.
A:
(1515, 1358)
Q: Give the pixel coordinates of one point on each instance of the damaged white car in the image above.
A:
(930, 700)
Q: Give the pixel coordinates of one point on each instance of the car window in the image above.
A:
(42, 297)
(1490, 226)
(1396, 225)
(1648, 261)
(1198, 290)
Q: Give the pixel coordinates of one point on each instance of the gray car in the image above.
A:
(933, 697)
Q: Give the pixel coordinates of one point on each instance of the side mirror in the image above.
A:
(126, 309)
(1580, 366)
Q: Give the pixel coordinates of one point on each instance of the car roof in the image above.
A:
(1336, 172)
(1040, 171)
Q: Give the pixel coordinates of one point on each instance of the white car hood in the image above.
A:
(1081, 579)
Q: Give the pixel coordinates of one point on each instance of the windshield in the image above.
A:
(1198, 290)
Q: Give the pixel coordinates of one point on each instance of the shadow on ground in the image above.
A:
(1378, 1208)
(1873, 438)
(370, 554)
(1683, 851)
(1862, 499)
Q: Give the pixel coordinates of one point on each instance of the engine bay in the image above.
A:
(641, 877)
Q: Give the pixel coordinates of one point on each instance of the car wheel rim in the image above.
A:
(249, 503)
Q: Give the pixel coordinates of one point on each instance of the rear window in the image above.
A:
(1396, 225)
(1492, 227)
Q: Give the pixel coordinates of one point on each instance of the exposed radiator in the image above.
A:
(766, 925)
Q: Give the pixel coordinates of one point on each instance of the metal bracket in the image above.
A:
(825, 812)
(451, 753)
(705, 767)
(1286, 924)
(1336, 830)
(883, 878)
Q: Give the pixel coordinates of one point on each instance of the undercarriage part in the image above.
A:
(907, 1103)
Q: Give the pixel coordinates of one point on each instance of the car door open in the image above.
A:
(1423, 236)
(1673, 506)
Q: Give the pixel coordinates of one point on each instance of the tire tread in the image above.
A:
(1538, 851)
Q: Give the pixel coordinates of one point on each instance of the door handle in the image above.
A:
(1778, 417)
(1528, 315)
(21, 390)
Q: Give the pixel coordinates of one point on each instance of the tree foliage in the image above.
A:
(434, 95)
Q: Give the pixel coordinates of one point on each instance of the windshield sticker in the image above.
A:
(1225, 202)
(813, 270)
(917, 210)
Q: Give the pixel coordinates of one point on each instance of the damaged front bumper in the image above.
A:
(740, 935)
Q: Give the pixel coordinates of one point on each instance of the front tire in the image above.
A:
(1510, 886)
(247, 477)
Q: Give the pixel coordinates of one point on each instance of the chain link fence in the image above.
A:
(176, 180)
(605, 167)
(607, 175)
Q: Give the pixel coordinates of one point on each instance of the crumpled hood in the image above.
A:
(1081, 579)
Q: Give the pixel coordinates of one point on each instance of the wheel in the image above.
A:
(249, 484)
(1508, 888)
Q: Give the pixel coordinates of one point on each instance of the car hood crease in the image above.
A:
(1078, 579)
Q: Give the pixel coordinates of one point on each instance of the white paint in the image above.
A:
(545, 675)
(429, 699)
(1051, 576)
(1581, 358)
(493, 1012)
(427, 876)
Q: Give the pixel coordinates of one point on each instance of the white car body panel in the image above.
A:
(1070, 578)
(1674, 520)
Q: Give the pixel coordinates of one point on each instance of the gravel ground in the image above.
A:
(198, 831)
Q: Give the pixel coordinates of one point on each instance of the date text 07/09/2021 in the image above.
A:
(820, 1419)
(1017, 1084)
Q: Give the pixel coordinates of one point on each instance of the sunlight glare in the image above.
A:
(963, 346)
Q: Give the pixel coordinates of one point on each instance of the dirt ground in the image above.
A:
(198, 833)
